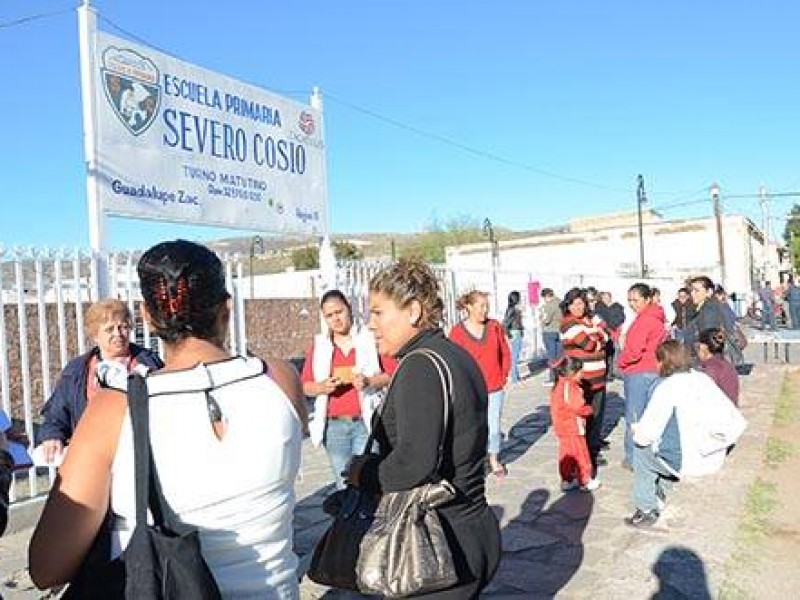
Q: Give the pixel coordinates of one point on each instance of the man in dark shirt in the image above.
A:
(613, 315)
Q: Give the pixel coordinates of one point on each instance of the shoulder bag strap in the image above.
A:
(446, 378)
(140, 424)
(148, 486)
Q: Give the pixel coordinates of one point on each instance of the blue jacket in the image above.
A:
(68, 400)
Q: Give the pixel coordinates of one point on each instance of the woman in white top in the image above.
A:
(685, 431)
(346, 376)
(225, 433)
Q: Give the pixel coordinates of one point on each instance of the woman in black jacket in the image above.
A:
(405, 314)
(108, 325)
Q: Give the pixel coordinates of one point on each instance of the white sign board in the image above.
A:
(176, 142)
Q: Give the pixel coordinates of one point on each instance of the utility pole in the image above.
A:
(257, 243)
(763, 200)
(641, 198)
(720, 240)
(488, 230)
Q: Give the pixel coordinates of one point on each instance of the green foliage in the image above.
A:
(431, 244)
(347, 251)
(792, 234)
(305, 258)
(778, 451)
(786, 407)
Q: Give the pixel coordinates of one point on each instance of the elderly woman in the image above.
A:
(108, 324)
(344, 372)
(405, 314)
(225, 434)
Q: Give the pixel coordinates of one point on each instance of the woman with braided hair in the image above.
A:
(210, 414)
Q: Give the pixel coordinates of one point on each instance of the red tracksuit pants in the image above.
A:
(573, 459)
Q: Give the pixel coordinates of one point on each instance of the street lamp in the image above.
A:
(641, 198)
(720, 242)
(256, 242)
(488, 231)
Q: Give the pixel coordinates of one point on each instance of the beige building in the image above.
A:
(604, 251)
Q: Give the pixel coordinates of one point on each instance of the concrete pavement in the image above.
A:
(572, 545)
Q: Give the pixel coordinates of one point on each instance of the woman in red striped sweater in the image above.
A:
(484, 339)
(584, 336)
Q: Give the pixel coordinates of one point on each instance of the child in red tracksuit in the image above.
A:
(568, 411)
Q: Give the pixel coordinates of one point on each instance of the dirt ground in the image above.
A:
(767, 561)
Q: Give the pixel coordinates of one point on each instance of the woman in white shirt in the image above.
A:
(685, 431)
(225, 434)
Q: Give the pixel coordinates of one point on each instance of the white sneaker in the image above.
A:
(592, 485)
(567, 486)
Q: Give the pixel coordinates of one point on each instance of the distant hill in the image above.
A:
(277, 250)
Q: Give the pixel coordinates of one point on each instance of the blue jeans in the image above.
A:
(794, 313)
(343, 440)
(768, 320)
(637, 393)
(495, 414)
(651, 477)
(552, 349)
(516, 350)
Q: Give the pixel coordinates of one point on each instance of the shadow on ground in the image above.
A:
(525, 433)
(543, 546)
(681, 574)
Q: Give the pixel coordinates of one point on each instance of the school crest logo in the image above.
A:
(130, 82)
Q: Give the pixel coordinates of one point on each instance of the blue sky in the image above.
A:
(528, 113)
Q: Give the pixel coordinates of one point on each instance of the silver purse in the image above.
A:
(405, 550)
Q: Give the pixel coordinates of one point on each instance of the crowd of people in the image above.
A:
(681, 389)
(371, 393)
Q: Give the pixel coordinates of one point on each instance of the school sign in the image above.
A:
(176, 142)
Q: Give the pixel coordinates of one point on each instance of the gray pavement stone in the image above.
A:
(572, 545)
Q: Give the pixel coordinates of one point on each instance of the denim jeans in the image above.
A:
(794, 313)
(495, 414)
(552, 348)
(516, 350)
(650, 476)
(636, 388)
(343, 440)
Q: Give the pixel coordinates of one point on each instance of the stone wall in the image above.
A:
(279, 328)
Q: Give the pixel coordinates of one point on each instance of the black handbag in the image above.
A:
(162, 561)
(394, 544)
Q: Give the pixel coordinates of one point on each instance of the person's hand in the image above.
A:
(330, 384)
(52, 449)
(353, 472)
(360, 381)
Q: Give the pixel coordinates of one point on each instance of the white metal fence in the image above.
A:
(43, 296)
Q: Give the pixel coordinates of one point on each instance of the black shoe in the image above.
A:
(641, 519)
(605, 444)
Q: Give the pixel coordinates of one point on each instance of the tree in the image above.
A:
(347, 251)
(432, 243)
(305, 258)
(792, 234)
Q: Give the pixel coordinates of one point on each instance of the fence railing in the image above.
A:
(44, 295)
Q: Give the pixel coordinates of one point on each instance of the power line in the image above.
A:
(36, 17)
(470, 149)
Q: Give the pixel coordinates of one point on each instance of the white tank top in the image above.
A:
(239, 491)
